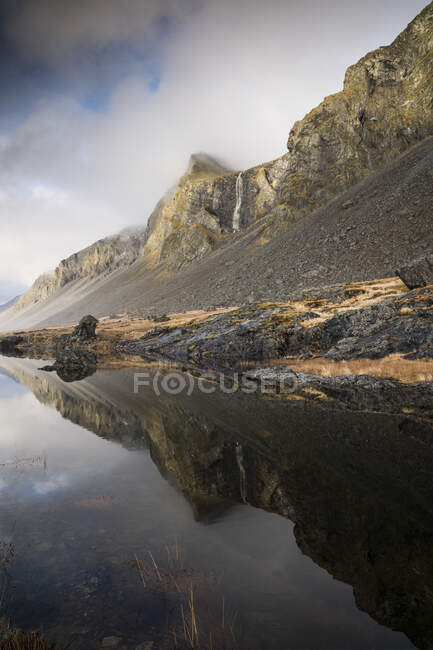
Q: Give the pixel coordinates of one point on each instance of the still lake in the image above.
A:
(210, 520)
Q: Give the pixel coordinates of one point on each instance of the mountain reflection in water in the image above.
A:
(356, 485)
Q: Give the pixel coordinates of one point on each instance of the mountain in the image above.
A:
(350, 200)
(9, 303)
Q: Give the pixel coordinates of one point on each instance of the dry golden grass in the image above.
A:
(14, 639)
(391, 366)
(199, 616)
(39, 343)
(359, 294)
(133, 328)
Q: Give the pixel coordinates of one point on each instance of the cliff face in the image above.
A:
(386, 106)
(102, 257)
(208, 203)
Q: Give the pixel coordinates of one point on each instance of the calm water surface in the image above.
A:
(98, 485)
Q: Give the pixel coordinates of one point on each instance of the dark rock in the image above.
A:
(160, 318)
(308, 315)
(73, 365)
(398, 325)
(418, 273)
(356, 392)
(86, 328)
(8, 345)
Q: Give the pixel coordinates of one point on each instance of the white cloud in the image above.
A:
(48, 194)
(53, 484)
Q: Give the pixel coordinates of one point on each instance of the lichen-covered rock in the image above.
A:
(187, 245)
(401, 325)
(418, 273)
(86, 328)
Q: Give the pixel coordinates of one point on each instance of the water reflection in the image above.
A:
(357, 487)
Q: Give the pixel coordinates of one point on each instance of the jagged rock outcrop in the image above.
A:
(187, 224)
(43, 287)
(403, 324)
(207, 204)
(74, 363)
(418, 273)
(86, 328)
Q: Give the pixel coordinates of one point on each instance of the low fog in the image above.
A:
(119, 93)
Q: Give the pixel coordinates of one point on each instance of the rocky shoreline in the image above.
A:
(289, 349)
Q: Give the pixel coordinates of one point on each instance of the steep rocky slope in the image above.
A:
(9, 303)
(387, 224)
(191, 253)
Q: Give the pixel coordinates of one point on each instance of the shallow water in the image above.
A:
(97, 485)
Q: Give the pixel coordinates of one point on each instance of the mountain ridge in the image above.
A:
(384, 109)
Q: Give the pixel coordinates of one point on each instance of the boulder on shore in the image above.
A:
(418, 273)
(86, 328)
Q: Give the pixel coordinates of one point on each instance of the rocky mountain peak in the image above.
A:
(202, 164)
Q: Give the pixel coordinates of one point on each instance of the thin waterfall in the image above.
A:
(243, 478)
(237, 212)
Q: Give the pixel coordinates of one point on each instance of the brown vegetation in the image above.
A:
(199, 615)
(391, 366)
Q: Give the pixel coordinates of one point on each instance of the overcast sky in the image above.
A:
(103, 101)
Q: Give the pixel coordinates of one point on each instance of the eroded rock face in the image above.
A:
(418, 273)
(102, 257)
(385, 106)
